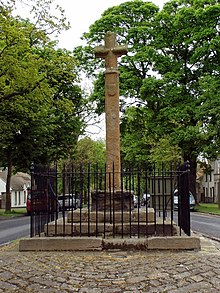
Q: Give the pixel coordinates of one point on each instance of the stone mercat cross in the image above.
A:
(110, 52)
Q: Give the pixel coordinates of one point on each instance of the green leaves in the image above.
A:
(170, 76)
(90, 151)
(40, 99)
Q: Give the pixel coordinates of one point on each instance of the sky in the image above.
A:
(82, 14)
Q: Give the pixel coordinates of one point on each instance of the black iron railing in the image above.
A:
(83, 201)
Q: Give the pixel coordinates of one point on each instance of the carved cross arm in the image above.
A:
(101, 52)
(120, 50)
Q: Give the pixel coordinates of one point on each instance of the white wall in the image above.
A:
(210, 181)
(2, 186)
(18, 198)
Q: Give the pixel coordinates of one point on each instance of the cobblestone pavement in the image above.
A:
(111, 271)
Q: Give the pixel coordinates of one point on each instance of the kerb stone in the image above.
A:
(174, 243)
(60, 244)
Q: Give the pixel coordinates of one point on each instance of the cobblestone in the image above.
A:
(110, 271)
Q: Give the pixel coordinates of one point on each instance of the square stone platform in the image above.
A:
(95, 231)
(88, 223)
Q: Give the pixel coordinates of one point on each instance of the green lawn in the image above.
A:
(15, 212)
(211, 208)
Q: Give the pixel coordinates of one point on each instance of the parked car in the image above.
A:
(192, 201)
(135, 201)
(68, 202)
(38, 201)
(145, 200)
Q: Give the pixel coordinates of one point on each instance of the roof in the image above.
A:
(18, 180)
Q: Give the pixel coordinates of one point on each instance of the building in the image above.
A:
(20, 182)
(211, 182)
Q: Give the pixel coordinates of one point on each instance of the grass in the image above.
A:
(210, 208)
(15, 212)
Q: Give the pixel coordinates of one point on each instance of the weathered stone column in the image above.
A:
(110, 52)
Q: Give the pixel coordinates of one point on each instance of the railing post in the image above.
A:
(31, 202)
(184, 198)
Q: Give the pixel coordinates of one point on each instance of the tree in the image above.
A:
(131, 21)
(40, 99)
(174, 53)
(90, 151)
(186, 38)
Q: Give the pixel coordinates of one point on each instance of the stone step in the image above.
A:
(62, 227)
(136, 215)
(91, 243)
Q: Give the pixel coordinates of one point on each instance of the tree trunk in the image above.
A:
(8, 182)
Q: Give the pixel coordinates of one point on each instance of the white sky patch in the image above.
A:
(84, 13)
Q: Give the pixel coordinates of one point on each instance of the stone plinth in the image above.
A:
(109, 201)
(132, 223)
(91, 243)
(83, 222)
(162, 228)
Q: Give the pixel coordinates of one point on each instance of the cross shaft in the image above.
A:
(110, 52)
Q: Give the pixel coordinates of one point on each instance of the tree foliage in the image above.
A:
(41, 102)
(171, 75)
(90, 151)
(131, 22)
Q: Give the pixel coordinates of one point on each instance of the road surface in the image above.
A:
(206, 224)
(14, 228)
(11, 229)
